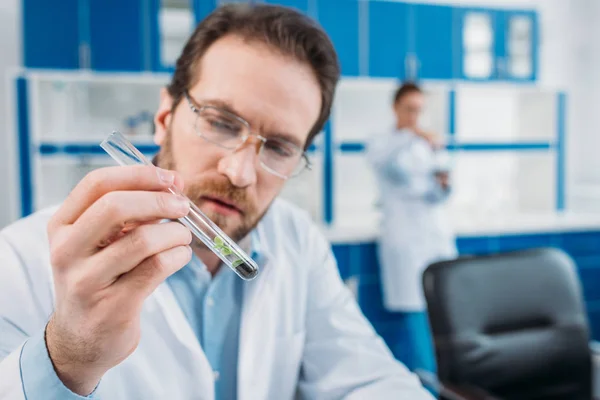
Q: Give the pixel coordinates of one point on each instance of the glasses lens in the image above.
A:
(219, 127)
(282, 157)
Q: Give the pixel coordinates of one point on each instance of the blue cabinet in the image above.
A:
(518, 55)
(342, 25)
(101, 35)
(495, 44)
(410, 41)
(116, 35)
(430, 42)
(388, 40)
(377, 38)
(51, 34)
(300, 5)
(475, 44)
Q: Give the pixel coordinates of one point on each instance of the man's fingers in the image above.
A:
(146, 277)
(107, 217)
(136, 246)
(104, 180)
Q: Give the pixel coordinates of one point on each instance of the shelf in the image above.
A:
(357, 147)
(46, 149)
(92, 147)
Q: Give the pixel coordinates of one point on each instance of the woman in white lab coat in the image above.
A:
(414, 184)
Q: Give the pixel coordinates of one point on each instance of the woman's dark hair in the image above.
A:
(404, 89)
(283, 29)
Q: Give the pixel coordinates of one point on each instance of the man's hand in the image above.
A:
(108, 253)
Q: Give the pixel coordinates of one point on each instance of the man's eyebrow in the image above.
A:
(227, 106)
(222, 104)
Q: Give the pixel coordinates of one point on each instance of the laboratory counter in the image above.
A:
(354, 245)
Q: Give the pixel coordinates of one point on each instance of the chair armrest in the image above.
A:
(451, 391)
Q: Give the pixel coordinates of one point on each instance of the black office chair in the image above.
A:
(510, 326)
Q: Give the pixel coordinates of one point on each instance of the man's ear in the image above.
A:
(163, 117)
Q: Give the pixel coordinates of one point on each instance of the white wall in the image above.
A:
(10, 57)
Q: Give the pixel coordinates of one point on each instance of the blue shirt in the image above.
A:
(212, 306)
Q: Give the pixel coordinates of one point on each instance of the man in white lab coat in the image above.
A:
(414, 184)
(98, 299)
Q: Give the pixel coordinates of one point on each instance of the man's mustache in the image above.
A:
(223, 190)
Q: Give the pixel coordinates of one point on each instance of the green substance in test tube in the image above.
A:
(226, 250)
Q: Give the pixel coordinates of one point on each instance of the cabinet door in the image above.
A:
(172, 23)
(116, 34)
(300, 5)
(51, 34)
(431, 41)
(388, 39)
(519, 45)
(340, 21)
(475, 44)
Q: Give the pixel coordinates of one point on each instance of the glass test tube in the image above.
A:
(125, 153)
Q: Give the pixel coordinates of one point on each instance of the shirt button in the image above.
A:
(210, 302)
(216, 375)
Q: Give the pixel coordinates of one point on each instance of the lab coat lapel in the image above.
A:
(168, 318)
(256, 331)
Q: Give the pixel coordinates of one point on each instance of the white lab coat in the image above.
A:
(301, 330)
(414, 229)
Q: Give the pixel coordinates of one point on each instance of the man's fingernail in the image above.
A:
(166, 176)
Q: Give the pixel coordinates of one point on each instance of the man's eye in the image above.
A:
(224, 126)
(279, 149)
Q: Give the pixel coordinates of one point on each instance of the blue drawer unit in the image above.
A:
(388, 40)
(341, 24)
(430, 42)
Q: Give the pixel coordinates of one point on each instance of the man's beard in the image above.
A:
(216, 188)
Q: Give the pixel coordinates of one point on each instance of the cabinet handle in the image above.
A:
(84, 56)
(411, 66)
(501, 67)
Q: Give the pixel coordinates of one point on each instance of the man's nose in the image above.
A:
(240, 166)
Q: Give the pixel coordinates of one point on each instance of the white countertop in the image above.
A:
(366, 228)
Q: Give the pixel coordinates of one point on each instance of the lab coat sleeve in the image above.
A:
(343, 357)
(25, 367)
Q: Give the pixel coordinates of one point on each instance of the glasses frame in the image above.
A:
(198, 109)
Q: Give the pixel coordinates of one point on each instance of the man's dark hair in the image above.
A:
(404, 89)
(283, 29)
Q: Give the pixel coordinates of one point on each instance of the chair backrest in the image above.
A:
(513, 324)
